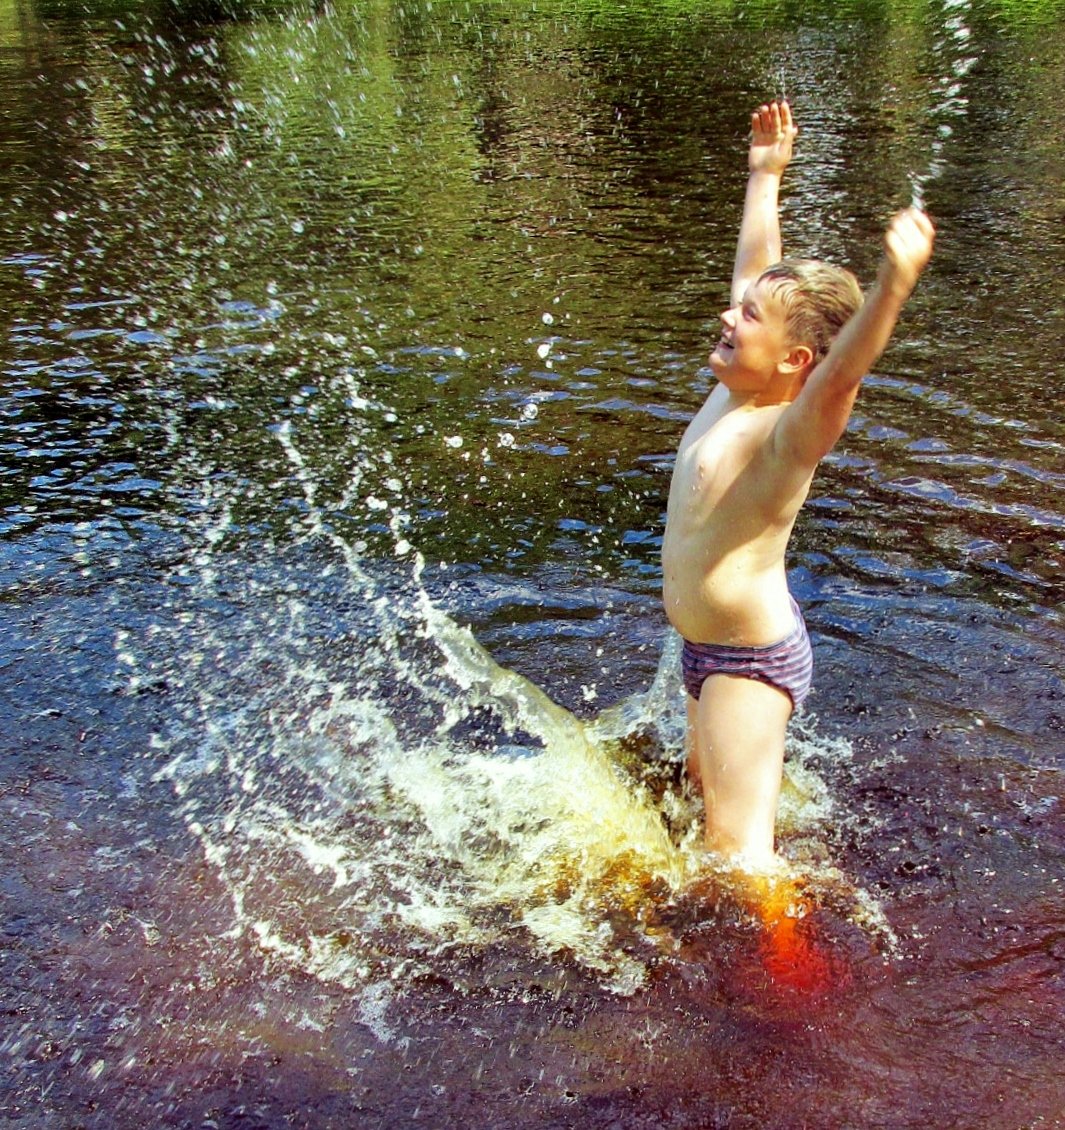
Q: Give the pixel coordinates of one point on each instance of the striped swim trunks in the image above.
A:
(787, 665)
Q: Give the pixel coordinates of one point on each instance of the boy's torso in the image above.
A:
(731, 512)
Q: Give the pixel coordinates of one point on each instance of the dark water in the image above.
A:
(332, 331)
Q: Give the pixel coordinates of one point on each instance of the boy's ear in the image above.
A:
(798, 359)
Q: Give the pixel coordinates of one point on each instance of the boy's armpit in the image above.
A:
(811, 426)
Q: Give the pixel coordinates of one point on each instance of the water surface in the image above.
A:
(345, 351)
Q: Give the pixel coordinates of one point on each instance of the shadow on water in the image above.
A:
(344, 357)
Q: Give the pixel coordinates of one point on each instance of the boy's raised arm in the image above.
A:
(759, 245)
(812, 424)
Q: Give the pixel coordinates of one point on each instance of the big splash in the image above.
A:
(378, 794)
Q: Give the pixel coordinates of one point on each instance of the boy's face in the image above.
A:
(754, 341)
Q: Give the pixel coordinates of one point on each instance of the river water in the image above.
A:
(345, 351)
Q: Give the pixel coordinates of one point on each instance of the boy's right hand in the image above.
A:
(772, 132)
(907, 249)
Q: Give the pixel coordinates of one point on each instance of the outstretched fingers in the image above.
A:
(772, 121)
(772, 132)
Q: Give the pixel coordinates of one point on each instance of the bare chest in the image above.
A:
(721, 462)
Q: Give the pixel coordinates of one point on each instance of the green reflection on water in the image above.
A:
(510, 225)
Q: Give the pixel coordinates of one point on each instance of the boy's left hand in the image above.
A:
(907, 249)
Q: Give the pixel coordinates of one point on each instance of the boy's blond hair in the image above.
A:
(818, 299)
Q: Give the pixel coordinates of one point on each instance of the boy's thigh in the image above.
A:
(740, 731)
(741, 722)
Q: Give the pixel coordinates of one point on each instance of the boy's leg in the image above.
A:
(695, 773)
(738, 741)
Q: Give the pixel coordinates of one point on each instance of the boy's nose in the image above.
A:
(729, 316)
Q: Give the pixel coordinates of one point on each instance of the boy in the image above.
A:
(795, 345)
